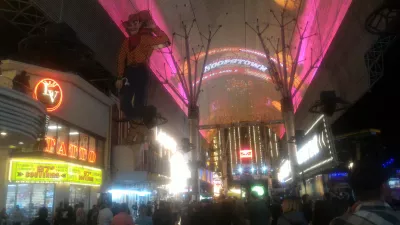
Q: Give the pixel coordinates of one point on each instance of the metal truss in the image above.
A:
(384, 19)
(25, 15)
(374, 58)
(240, 124)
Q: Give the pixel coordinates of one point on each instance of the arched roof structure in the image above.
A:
(236, 85)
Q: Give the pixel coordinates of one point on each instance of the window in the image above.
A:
(79, 194)
(71, 142)
(62, 140)
(51, 137)
(30, 197)
(83, 146)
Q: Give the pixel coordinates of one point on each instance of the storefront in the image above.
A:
(70, 164)
(315, 154)
(34, 183)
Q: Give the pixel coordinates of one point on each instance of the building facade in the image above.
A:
(68, 162)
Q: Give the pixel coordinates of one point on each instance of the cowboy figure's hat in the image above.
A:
(142, 16)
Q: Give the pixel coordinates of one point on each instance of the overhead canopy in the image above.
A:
(236, 85)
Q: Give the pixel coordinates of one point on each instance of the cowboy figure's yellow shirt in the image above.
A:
(142, 52)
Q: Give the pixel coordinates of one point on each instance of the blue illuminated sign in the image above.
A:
(338, 175)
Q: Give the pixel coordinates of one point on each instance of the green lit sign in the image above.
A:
(259, 190)
(38, 171)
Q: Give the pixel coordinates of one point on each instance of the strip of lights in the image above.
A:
(255, 143)
(270, 142)
(259, 142)
(317, 165)
(276, 145)
(250, 145)
(240, 146)
(313, 125)
(230, 145)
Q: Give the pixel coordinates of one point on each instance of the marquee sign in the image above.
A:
(69, 150)
(48, 92)
(246, 154)
(37, 171)
(244, 62)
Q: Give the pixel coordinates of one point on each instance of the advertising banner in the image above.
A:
(53, 172)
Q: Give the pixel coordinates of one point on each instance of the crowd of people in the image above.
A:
(372, 205)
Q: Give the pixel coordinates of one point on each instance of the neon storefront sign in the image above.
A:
(48, 92)
(47, 171)
(72, 151)
(244, 62)
(246, 154)
(309, 150)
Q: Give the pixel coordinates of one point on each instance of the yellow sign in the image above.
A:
(36, 171)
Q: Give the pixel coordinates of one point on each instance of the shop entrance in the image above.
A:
(30, 197)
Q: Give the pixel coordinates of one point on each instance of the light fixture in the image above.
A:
(351, 164)
(20, 143)
(240, 170)
(54, 127)
(73, 133)
(264, 168)
(3, 133)
(252, 169)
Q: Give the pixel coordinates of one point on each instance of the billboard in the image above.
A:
(37, 171)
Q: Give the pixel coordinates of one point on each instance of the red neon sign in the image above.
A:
(245, 154)
(72, 152)
(48, 92)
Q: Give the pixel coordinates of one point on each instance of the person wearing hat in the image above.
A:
(133, 71)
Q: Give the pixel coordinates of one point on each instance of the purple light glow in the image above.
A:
(323, 17)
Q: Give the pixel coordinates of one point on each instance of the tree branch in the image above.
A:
(189, 66)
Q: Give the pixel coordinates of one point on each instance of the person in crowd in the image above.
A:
(149, 209)
(239, 213)
(276, 211)
(90, 218)
(43, 213)
(143, 219)
(292, 214)
(3, 217)
(115, 208)
(135, 209)
(163, 215)
(95, 215)
(324, 211)
(369, 182)
(80, 214)
(64, 215)
(17, 216)
(57, 214)
(123, 217)
(258, 210)
(306, 207)
(105, 215)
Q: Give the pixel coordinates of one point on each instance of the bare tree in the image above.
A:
(283, 58)
(190, 77)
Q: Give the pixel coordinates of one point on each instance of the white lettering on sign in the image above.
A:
(246, 154)
(284, 171)
(235, 61)
(309, 150)
(52, 94)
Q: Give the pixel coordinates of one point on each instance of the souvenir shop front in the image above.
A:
(70, 163)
